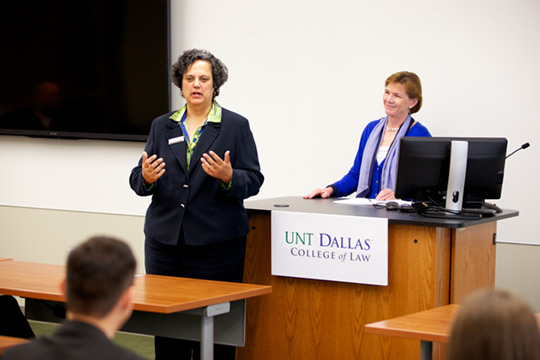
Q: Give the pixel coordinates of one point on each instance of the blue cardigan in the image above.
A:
(349, 183)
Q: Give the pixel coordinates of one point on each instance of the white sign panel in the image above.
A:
(330, 247)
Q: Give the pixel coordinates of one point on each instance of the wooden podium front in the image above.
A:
(432, 262)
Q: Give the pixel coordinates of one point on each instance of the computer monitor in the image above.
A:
(423, 169)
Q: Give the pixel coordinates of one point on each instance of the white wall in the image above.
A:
(79, 175)
(309, 75)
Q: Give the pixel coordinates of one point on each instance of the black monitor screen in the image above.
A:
(424, 162)
(83, 68)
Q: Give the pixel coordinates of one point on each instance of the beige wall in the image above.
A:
(47, 235)
(517, 270)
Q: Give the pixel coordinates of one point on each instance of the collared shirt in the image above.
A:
(214, 116)
(180, 117)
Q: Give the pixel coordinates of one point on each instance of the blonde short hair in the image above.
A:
(412, 85)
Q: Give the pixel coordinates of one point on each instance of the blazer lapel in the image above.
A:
(206, 140)
(178, 148)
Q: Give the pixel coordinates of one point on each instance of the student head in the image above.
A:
(492, 325)
(99, 271)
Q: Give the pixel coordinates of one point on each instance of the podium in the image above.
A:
(432, 262)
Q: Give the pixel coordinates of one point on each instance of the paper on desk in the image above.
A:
(365, 201)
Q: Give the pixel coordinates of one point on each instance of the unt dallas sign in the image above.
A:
(330, 247)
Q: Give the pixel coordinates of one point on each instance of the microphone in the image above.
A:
(524, 146)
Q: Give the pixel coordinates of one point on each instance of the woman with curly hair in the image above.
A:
(199, 164)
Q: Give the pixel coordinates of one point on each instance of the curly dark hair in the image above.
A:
(220, 73)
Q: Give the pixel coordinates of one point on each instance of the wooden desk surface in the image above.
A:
(430, 325)
(153, 293)
(8, 341)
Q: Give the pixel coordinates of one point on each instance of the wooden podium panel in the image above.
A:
(429, 266)
(473, 250)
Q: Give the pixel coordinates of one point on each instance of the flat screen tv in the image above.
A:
(91, 69)
(424, 162)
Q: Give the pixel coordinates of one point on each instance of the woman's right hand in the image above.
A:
(152, 169)
(323, 193)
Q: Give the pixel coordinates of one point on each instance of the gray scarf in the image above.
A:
(389, 171)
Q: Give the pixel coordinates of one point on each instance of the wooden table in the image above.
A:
(428, 326)
(8, 341)
(163, 305)
(433, 325)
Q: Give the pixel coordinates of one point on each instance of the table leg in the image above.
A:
(426, 350)
(207, 328)
(207, 337)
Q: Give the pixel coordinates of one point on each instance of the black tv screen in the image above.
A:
(92, 69)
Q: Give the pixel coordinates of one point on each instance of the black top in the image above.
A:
(327, 206)
(73, 340)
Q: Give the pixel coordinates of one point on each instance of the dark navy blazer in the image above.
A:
(193, 201)
(73, 340)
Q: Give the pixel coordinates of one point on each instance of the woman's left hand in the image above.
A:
(214, 166)
(386, 194)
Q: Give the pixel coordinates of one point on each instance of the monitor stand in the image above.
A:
(456, 175)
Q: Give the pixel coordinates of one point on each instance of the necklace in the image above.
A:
(392, 129)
